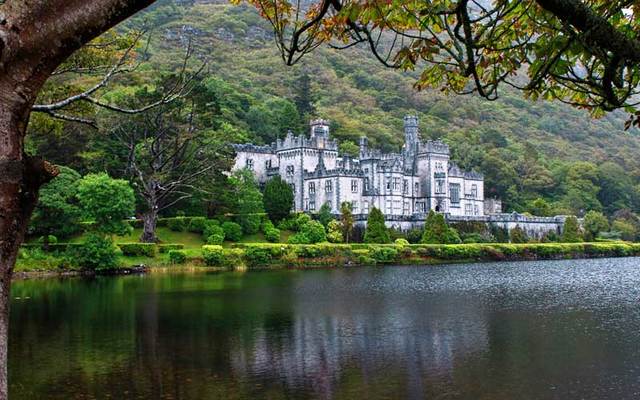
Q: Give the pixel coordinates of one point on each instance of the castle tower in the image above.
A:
(320, 132)
(411, 135)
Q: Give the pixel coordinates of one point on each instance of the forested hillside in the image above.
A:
(528, 150)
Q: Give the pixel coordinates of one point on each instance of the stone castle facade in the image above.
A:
(402, 185)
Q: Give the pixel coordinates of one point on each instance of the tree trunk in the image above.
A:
(150, 219)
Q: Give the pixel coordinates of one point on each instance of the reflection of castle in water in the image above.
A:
(400, 333)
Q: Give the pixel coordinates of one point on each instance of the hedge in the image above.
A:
(166, 248)
(138, 249)
(177, 257)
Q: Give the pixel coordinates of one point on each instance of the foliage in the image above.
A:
(324, 215)
(249, 201)
(309, 233)
(232, 231)
(594, 223)
(384, 254)
(626, 229)
(518, 235)
(177, 256)
(213, 255)
(376, 231)
(271, 233)
(346, 221)
(348, 148)
(97, 253)
(436, 230)
(197, 224)
(107, 202)
(334, 232)
(278, 199)
(138, 249)
(165, 248)
(178, 224)
(571, 230)
(57, 212)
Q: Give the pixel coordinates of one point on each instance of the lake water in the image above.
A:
(523, 330)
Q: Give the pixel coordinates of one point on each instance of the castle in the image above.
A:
(402, 185)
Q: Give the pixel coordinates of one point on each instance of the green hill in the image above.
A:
(526, 149)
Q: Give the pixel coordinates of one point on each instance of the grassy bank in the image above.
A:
(280, 255)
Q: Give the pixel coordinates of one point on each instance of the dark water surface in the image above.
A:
(530, 330)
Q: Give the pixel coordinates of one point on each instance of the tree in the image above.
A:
(628, 231)
(571, 230)
(36, 38)
(278, 199)
(615, 187)
(576, 52)
(437, 231)
(324, 215)
(594, 223)
(349, 148)
(57, 212)
(334, 232)
(106, 202)
(249, 206)
(376, 231)
(518, 235)
(169, 151)
(346, 221)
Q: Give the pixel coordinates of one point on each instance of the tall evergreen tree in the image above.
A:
(437, 231)
(278, 199)
(571, 230)
(346, 221)
(376, 231)
(303, 97)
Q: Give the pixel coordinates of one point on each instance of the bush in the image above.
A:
(311, 232)
(197, 224)
(165, 248)
(213, 255)
(518, 235)
(334, 234)
(97, 253)
(232, 231)
(436, 230)
(571, 230)
(414, 235)
(211, 227)
(216, 238)
(401, 242)
(384, 254)
(272, 235)
(177, 257)
(138, 249)
(256, 255)
(177, 224)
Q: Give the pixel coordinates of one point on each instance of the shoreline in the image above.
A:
(266, 257)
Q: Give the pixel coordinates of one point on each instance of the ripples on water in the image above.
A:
(532, 330)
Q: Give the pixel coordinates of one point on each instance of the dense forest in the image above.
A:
(540, 157)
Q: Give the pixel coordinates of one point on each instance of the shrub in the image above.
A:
(401, 242)
(384, 254)
(177, 224)
(97, 253)
(197, 224)
(232, 231)
(301, 220)
(376, 231)
(216, 238)
(278, 198)
(165, 248)
(518, 235)
(272, 235)
(256, 255)
(138, 249)
(334, 234)
(414, 235)
(312, 232)
(212, 255)
(211, 227)
(288, 224)
(324, 215)
(177, 257)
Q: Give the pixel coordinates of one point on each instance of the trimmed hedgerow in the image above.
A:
(138, 249)
(213, 255)
(167, 247)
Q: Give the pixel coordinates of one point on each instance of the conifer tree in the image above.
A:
(346, 221)
(518, 235)
(437, 231)
(278, 199)
(571, 230)
(376, 231)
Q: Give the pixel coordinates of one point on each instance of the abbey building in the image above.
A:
(402, 185)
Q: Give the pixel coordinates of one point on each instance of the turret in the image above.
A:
(319, 128)
(411, 131)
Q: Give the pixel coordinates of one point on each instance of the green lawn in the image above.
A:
(165, 235)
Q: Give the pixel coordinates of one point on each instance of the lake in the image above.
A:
(522, 330)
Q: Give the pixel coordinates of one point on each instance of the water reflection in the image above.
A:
(552, 330)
